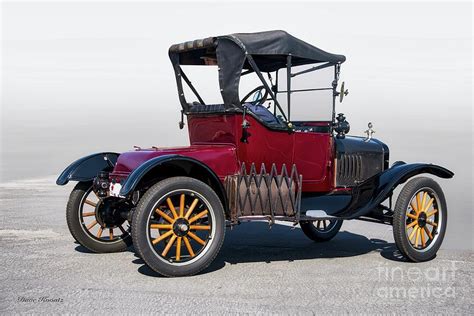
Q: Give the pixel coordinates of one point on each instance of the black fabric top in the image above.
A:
(282, 43)
(269, 50)
(276, 44)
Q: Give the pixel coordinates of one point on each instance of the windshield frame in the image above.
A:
(290, 75)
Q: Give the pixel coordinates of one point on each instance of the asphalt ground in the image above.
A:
(258, 270)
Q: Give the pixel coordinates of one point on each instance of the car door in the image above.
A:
(313, 156)
(267, 146)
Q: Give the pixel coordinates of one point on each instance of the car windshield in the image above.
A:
(311, 93)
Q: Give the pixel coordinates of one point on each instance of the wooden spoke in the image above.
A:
(413, 233)
(111, 233)
(191, 208)
(432, 213)
(161, 226)
(181, 205)
(427, 207)
(431, 223)
(413, 206)
(200, 227)
(99, 233)
(171, 206)
(122, 230)
(418, 203)
(168, 246)
(412, 216)
(188, 246)
(198, 216)
(423, 243)
(412, 224)
(165, 235)
(164, 215)
(178, 249)
(196, 238)
(428, 232)
(88, 214)
(423, 202)
(90, 203)
(91, 225)
(418, 233)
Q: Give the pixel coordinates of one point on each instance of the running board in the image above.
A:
(303, 217)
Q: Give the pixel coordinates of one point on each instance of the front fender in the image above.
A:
(86, 168)
(186, 163)
(369, 194)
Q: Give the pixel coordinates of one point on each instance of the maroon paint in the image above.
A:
(221, 159)
(215, 141)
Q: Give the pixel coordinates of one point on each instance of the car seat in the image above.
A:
(263, 114)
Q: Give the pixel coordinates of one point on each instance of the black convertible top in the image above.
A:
(269, 50)
(275, 44)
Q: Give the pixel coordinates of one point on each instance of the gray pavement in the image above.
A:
(277, 271)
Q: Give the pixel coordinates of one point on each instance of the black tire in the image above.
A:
(78, 229)
(145, 215)
(406, 214)
(321, 230)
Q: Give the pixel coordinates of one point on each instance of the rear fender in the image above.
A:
(369, 194)
(86, 168)
(173, 165)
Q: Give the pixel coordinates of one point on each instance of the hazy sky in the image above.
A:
(85, 77)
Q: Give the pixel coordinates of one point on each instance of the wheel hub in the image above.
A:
(181, 227)
(108, 213)
(422, 219)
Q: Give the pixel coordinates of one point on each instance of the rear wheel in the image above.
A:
(94, 222)
(178, 226)
(419, 220)
(321, 230)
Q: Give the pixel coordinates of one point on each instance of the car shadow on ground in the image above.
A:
(256, 242)
(82, 249)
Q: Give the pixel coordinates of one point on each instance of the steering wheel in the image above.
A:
(259, 97)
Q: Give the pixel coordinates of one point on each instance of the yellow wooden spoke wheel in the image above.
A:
(422, 219)
(419, 220)
(95, 223)
(178, 226)
(182, 225)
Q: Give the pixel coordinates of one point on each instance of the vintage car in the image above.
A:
(275, 154)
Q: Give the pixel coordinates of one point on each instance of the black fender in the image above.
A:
(184, 163)
(86, 168)
(373, 191)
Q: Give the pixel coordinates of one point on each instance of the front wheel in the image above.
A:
(419, 219)
(179, 226)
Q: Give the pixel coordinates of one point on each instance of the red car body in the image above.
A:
(215, 141)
